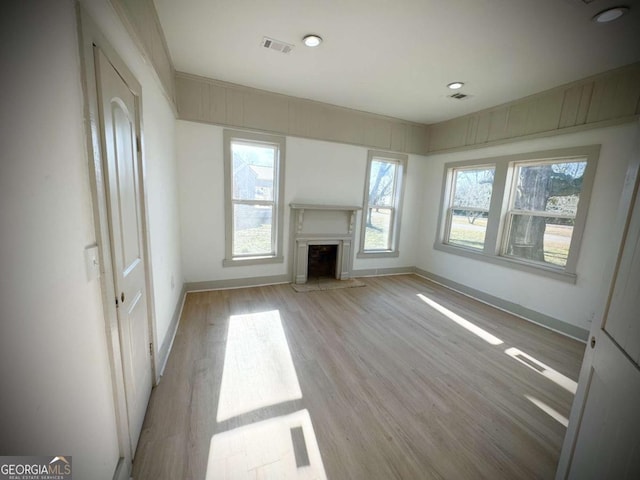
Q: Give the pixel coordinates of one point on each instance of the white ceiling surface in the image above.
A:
(395, 58)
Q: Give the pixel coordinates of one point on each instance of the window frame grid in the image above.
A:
(447, 237)
(395, 208)
(450, 179)
(277, 203)
(497, 225)
(392, 215)
(254, 255)
(391, 206)
(511, 211)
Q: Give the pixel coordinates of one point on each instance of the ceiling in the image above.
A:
(395, 57)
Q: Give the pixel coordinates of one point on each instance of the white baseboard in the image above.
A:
(167, 343)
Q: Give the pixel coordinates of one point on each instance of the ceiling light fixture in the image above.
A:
(312, 40)
(455, 85)
(610, 14)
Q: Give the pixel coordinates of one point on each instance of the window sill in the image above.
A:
(380, 254)
(242, 262)
(509, 262)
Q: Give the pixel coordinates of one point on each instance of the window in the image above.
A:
(469, 207)
(254, 171)
(383, 203)
(542, 211)
(526, 211)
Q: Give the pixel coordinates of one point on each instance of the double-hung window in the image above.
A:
(254, 173)
(526, 211)
(542, 210)
(468, 210)
(384, 185)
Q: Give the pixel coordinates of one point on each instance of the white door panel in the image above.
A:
(118, 115)
(623, 321)
(603, 436)
(127, 191)
(609, 437)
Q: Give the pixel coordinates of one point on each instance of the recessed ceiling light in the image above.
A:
(312, 40)
(610, 14)
(455, 85)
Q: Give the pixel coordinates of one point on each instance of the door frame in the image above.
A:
(630, 191)
(89, 37)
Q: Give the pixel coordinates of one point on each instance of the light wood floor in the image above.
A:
(393, 388)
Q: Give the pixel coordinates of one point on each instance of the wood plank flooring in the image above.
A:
(393, 387)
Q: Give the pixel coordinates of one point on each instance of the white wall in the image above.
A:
(315, 172)
(56, 396)
(574, 304)
(159, 152)
(162, 200)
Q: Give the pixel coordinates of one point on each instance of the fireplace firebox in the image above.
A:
(322, 238)
(322, 261)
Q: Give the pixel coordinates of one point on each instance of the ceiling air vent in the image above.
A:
(276, 45)
(459, 96)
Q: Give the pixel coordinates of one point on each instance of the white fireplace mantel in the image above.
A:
(317, 224)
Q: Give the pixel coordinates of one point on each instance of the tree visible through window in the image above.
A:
(385, 174)
(381, 205)
(469, 210)
(543, 209)
(525, 210)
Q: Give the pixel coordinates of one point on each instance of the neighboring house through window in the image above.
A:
(254, 177)
(384, 186)
(527, 211)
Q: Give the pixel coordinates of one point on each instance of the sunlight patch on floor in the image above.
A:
(524, 358)
(280, 447)
(483, 334)
(544, 370)
(548, 410)
(258, 368)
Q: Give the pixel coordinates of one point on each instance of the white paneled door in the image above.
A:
(118, 116)
(603, 438)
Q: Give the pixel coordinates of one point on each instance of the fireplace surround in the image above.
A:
(315, 224)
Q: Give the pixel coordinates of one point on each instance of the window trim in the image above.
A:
(449, 208)
(499, 208)
(278, 198)
(400, 181)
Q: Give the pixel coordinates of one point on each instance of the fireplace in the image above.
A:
(321, 262)
(322, 234)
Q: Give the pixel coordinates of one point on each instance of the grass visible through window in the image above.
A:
(467, 234)
(253, 241)
(557, 238)
(377, 235)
